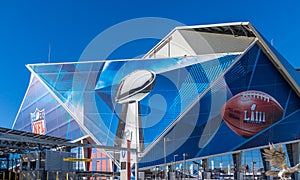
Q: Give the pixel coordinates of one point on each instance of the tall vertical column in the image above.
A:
(237, 161)
(205, 165)
(293, 151)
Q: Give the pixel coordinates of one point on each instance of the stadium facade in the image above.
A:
(219, 89)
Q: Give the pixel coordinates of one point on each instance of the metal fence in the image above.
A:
(46, 175)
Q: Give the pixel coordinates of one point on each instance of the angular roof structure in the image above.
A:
(204, 39)
(200, 71)
(216, 38)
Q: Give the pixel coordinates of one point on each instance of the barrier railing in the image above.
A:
(46, 175)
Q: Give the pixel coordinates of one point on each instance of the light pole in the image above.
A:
(165, 158)
(137, 142)
(156, 171)
(175, 155)
(184, 163)
(253, 163)
(174, 168)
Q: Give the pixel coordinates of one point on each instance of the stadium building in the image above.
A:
(212, 95)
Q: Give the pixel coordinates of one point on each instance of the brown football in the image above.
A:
(250, 112)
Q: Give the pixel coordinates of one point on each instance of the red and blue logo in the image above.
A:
(38, 121)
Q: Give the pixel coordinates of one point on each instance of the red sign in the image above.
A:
(38, 127)
(38, 121)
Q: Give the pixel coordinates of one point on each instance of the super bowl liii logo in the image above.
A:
(38, 121)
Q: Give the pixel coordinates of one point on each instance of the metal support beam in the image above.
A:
(37, 142)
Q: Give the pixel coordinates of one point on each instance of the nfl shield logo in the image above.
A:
(38, 121)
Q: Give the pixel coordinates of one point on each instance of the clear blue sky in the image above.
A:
(27, 28)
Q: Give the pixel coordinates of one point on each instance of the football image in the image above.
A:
(250, 112)
(135, 86)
